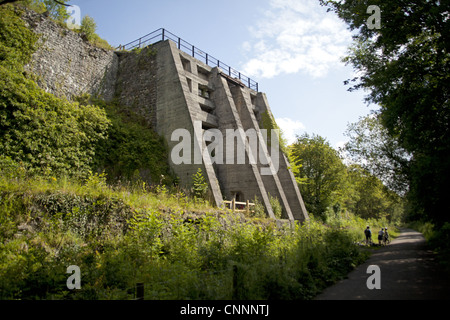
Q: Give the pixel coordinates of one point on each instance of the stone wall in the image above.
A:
(136, 83)
(67, 64)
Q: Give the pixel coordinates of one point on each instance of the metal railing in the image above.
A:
(163, 34)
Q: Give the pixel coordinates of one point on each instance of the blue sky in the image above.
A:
(292, 48)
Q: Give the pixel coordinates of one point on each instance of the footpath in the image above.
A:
(407, 271)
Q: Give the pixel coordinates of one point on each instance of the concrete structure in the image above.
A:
(172, 90)
(189, 93)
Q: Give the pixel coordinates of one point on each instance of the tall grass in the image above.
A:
(179, 247)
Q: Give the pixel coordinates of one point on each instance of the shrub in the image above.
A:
(132, 152)
(259, 210)
(117, 243)
(276, 206)
(200, 185)
(88, 27)
(49, 135)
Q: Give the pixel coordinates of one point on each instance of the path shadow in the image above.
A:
(408, 272)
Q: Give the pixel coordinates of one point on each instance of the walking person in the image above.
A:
(380, 236)
(368, 234)
(386, 236)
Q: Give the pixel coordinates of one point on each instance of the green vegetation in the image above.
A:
(88, 28)
(276, 206)
(55, 10)
(132, 152)
(53, 137)
(321, 170)
(438, 239)
(49, 135)
(200, 185)
(167, 241)
(82, 183)
(59, 14)
(328, 186)
(404, 67)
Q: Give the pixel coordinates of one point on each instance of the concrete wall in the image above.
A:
(171, 90)
(179, 107)
(136, 84)
(222, 103)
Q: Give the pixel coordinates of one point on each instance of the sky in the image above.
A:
(292, 48)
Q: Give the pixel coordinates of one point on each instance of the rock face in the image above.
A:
(67, 64)
(173, 92)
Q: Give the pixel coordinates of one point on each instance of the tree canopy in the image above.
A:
(330, 188)
(371, 147)
(321, 169)
(405, 67)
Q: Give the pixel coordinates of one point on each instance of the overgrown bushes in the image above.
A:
(121, 238)
(55, 137)
(48, 135)
(438, 240)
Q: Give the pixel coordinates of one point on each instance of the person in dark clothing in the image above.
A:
(368, 234)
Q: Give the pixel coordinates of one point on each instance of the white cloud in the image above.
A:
(290, 128)
(295, 36)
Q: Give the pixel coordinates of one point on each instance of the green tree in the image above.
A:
(405, 67)
(88, 27)
(322, 172)
(370, 198)
(371, 147)
(55, 8)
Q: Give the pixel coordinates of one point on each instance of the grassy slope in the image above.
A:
(179, 247)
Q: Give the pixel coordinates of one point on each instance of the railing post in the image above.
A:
(233, 205)
(248, 208)
(163, 33)
(193, 51)
(179, 43)
(207, 59)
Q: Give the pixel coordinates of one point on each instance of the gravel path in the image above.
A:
(407, 272)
